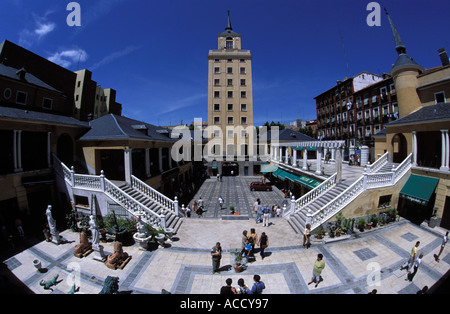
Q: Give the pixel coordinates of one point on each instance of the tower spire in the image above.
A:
(399, 45)
(229, 28)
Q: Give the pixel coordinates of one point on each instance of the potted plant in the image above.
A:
(374, 220)
(237, 265)
(331, 230)
(320, 233)
(232, 210)
(361, 224)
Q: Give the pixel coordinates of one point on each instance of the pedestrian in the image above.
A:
(255, 206)
(195, 206)
(188, 211)
(307, 236)
(228, 289)
(243, 289)
(416, 266)
(278, 210)
(253, 239)
(319, 265)
(263, 244)
(444, 241)
(259, 212)
(412, 257)
(221, 201)
(258, 286)
(218, 177)
(243, 239)
(200, 202)
(266, 215)
(216, 254)
(247, 249)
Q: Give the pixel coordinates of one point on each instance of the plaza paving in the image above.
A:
(357, 265)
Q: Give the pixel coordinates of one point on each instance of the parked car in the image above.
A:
(259, 186)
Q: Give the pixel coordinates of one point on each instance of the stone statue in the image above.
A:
(84, 245)
(98, 249)
(119, 256)
(94, 231)
(50, 283)
(52, 225)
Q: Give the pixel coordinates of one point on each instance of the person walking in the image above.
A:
(216, 254)
(263, 244)
(444, 241)
(266, 215)
(307, 236)
(221, 201)
(244, 238)
(255, 206)
(416, 266)
(258, 286)
(188, 211)
(319, 265)
(412, 257)
(259, 211)
(253, 239)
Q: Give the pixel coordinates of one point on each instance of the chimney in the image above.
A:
(21, 73)
(444, 57)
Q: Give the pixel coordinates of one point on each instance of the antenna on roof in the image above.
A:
(79, 58)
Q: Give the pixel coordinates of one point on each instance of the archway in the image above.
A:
(399, 146)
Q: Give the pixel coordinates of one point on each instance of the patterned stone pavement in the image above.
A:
(354, 265)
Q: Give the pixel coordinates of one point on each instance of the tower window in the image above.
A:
(229, 43)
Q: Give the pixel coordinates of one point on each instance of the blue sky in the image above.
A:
(154, 53)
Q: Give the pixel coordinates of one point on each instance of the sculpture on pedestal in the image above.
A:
(52, 225)
(84, 247)
(98, 249)
(119, 257)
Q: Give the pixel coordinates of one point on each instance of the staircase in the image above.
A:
(298, 220)
(172, 221)
(329, 198)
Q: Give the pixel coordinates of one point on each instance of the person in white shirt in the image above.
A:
(444, 241)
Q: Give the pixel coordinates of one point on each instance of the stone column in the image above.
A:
(19, 150)
(305, 158)
(281, 154)
(444, 151)
(319, 160)
(364, 155)
(286, 155)
(333, 153)
(338, 164)
(414, 147)
(447, 144)
(160, 159)
(294, 157)
(128, 164)
(147, 162)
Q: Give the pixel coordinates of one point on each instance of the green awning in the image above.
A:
(307, 148)
(306, 181)
(419, 189)
(309, 182)
(268, 167)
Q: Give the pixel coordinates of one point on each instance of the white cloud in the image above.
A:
(113, 56)
(66, 58)
(44, 29)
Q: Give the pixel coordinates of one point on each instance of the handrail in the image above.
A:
(315, 193)
(153, 194)
(366, 181)
(132, 205)
(378, 164)
(101, 184)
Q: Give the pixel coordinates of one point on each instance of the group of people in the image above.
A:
(265, 212)
(250, 240)
(258, 286)
(415, 260)
(199, 208)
